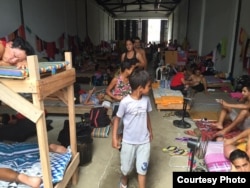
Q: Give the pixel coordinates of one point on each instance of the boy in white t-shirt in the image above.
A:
(137, 132)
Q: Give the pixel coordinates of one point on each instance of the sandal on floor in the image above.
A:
(190, 133)
(167, 114)
(197, 132)
(122, 186)
(169, 148)
(182, 152)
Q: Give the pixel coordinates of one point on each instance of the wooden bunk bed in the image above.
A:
(54, 106)
(41, 86)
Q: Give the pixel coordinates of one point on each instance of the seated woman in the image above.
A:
(178, 81)
(197, 81)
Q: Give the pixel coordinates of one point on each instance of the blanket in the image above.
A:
(207, 133)
(215, 159)
(25, 158)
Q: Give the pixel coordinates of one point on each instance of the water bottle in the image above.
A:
(167, 84)
(162, 83)
(105, 79)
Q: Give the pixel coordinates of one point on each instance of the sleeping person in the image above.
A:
(14, 53)
(9, 175)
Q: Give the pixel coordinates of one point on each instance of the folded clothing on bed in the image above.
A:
(25, 158)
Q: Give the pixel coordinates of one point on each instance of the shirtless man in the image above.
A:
(197, 81)
(14, 53)
(139, 49)
(240, 120)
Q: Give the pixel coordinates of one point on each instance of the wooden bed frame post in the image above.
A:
(42, 135)
(71, 111)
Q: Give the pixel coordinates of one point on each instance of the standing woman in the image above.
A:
(132, 56)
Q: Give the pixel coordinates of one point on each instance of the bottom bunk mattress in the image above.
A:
(25, 158)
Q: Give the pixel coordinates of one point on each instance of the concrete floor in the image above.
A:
(104, 169)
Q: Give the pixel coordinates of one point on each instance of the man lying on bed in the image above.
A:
(93, 97)
(9, 175)
(14, 53)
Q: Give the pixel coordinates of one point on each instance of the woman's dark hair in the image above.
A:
(236, 154)
(22, 44)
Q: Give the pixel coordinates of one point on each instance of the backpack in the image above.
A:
(99, 117)
(83, 133)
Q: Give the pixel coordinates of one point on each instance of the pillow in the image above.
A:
(102, 132)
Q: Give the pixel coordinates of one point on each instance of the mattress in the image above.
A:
(213, 81)
(25, 158)
(44, 67)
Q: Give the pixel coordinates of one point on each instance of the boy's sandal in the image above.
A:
(169, 148)
(121, 185)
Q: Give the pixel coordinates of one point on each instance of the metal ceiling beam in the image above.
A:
(106, 8)
(149, 10)
(136, 3)
(122, 6)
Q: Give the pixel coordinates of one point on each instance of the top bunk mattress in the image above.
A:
(44, 68)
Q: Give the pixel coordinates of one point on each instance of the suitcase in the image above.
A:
(85, 150)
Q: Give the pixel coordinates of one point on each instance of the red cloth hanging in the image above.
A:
(51, 49)
(21, 32)
(39, 44)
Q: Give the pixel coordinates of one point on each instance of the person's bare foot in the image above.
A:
(32, 181)
(35, 181)
(216, 125)
(57, 148)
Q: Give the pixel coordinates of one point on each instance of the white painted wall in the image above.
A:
(9, 16)
(211, 21)
(50, 19)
